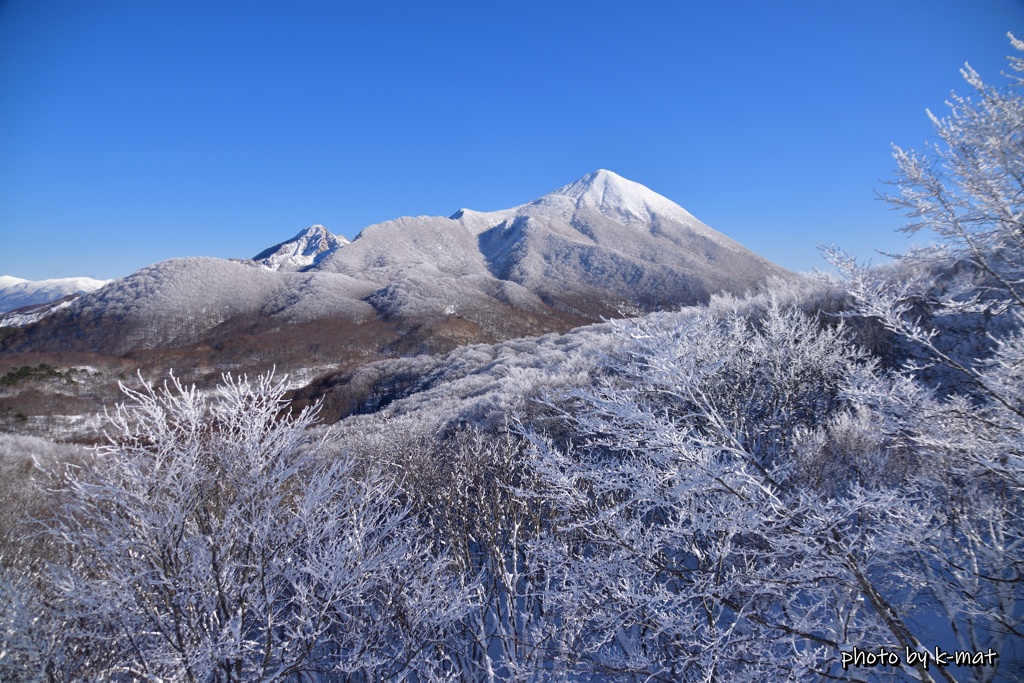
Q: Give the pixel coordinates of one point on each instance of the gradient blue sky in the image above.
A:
(132, 132)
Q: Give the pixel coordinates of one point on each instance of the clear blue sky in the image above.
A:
(135, 131)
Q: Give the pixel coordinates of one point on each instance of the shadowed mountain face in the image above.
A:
(601, 246)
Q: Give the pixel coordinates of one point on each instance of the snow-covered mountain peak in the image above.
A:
(613, 195)
(303, 250)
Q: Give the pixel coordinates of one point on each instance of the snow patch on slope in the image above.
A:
(31, 314)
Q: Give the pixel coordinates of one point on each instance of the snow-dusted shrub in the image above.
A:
(26, 641)
(810, 295)
(22, 461)
(467, 489)
(956, 310)
(739, 499)
(214, 540)
(29, 635)
(471, 489)
(966, 188)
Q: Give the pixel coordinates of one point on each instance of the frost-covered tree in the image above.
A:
(960, 304)
(467, 486)
(968, 187)
(956, 310)
(744, 497)
(214, 539)
(724, 513)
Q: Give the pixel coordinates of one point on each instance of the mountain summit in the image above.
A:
(615, 196)
(301, 251)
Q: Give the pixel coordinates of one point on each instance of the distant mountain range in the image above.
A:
(16, 292)
(602, 246)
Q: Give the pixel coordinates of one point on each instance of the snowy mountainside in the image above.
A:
(163, 305)
(482, 384)
(617, 197)
(16, 292)
(598, 247)
(595, 246)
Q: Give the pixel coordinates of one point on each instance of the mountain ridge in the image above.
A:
(601, 246)
(567, 244)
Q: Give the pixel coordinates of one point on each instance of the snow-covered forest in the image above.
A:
(819, 480)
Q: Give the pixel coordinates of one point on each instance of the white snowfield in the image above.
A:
(16, 292)
(594, 247)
